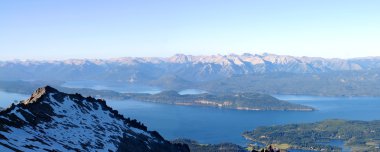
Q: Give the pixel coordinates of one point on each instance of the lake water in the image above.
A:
(191, 91)
(7, 98)
(123, 87)
(213, 125)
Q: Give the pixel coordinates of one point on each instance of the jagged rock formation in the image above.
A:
(54, 121)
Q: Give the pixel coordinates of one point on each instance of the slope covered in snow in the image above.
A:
(54, 121)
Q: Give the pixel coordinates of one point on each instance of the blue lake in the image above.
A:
(192, 91)
(7, 98)
(122, 87)
(213, 125)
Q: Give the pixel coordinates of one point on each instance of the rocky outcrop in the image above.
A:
(54, 121)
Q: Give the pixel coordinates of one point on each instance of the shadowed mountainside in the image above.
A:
(54, 121)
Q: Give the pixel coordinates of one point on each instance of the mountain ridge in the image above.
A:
(186, 67)
(54, 121)
(184, 56)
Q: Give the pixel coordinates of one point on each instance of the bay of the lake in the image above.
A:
(213, 125)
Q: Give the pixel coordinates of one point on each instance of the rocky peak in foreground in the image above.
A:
(54, 121)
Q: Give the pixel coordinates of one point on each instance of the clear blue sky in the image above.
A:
(50, 29)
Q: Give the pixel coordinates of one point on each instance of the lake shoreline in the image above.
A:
(215, 125)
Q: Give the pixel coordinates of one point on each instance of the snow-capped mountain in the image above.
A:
(187, 67)
(54, 121)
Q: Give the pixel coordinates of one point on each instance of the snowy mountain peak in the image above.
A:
(54, 121)
(187, 67)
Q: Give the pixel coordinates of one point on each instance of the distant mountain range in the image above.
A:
(54, 121)
(181, 67)
(265, 73)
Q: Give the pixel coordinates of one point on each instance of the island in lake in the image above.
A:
(238, 101)
(357, 135)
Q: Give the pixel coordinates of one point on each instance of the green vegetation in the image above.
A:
(269, 148)
(333, 83)
(223, 147)
(239, 101)
(358, 135)
(319, 84)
